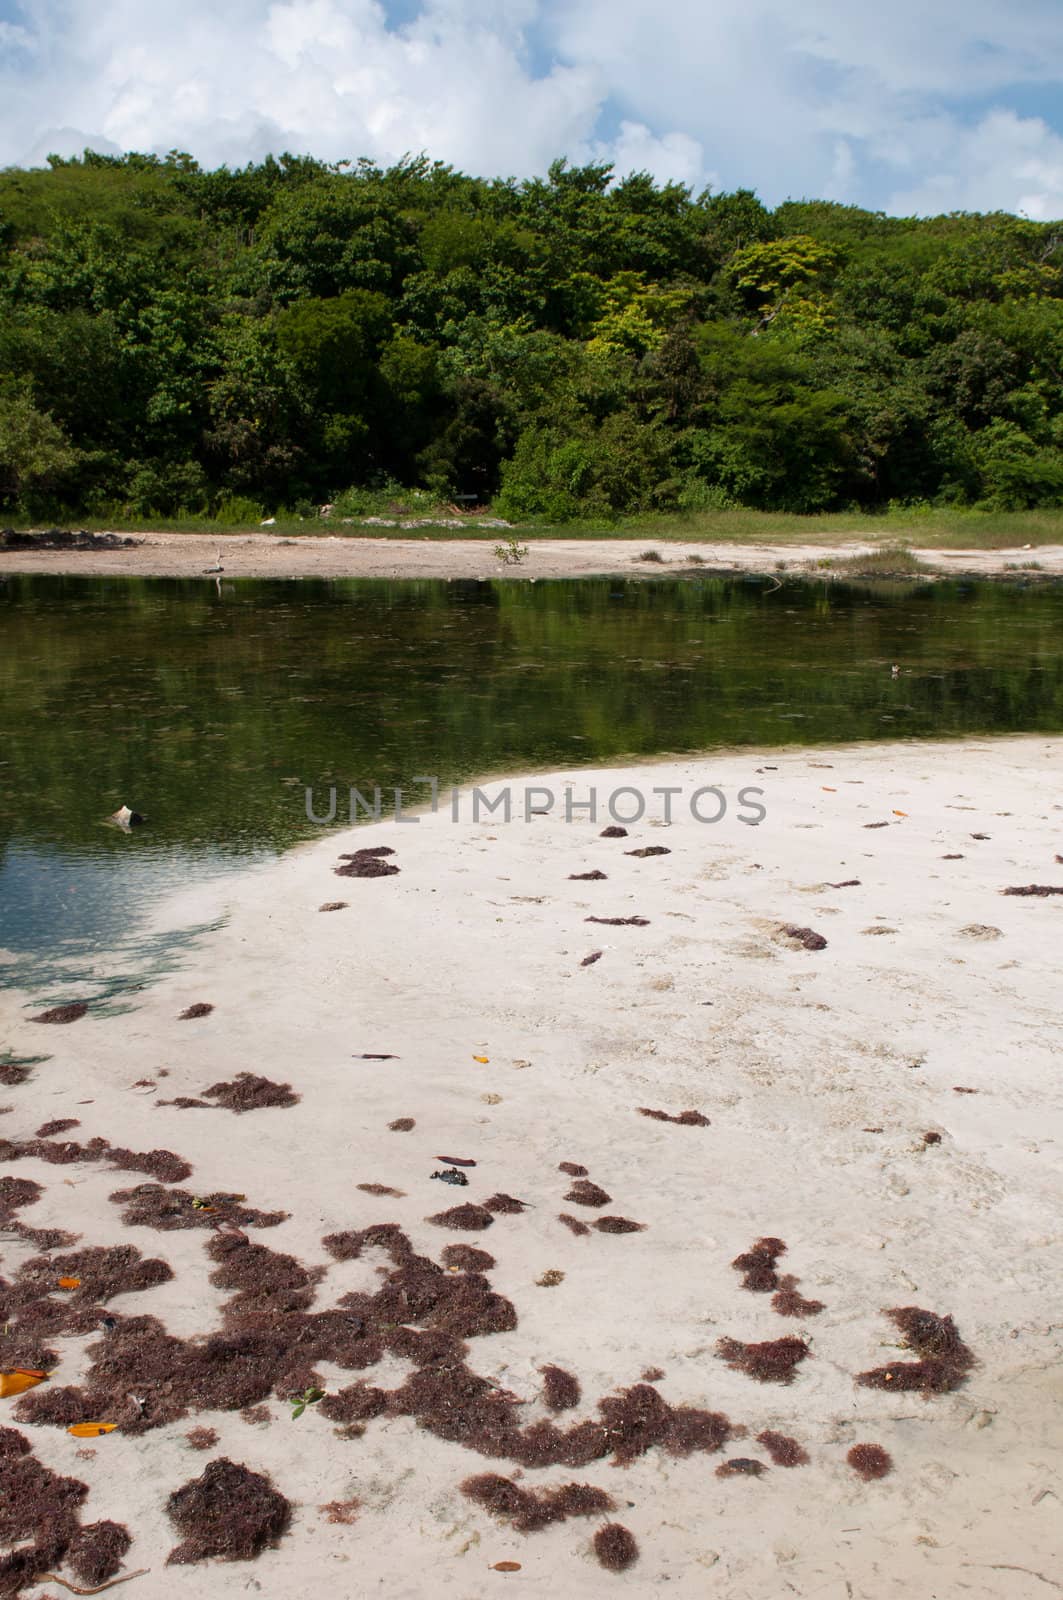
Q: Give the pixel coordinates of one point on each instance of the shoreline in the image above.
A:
(456, 993)
(260, 555)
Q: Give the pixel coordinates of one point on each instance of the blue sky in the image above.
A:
(947, 105)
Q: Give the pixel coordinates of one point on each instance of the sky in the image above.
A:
(922, 107)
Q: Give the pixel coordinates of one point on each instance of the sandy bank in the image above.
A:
(821, 1072)
(260, 555)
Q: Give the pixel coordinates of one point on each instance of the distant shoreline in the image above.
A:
(264, 555)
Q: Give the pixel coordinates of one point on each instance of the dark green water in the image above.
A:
(213, 710)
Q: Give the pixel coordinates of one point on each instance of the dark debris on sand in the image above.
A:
(202, 1008)
(72, 1012)
(944, 1361)
(468, 1217)
(528, 1510)
(162, 1164)
(808, 938)
(870, 1461)
(149, 1205)
(246, 1092)
(741, 1467)
(367, 863)
(620, 922)
(685, 1119)
(585, 1193)
(229, 1511)
(561, 1389)
(616, 1547)
(784, 1451)
(771, 1361)
(757, 1265)
(38, 1514)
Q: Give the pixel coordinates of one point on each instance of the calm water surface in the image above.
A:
(211, 708)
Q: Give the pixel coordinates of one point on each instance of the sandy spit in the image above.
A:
(820, 1071)
(261, 555)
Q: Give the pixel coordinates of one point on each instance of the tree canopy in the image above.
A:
(180, 340)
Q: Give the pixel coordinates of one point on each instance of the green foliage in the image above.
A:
(34, 451)
(173, 339)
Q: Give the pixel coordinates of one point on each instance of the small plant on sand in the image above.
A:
(309, 1397)
(512, 553)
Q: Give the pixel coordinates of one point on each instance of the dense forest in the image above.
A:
(238, 343)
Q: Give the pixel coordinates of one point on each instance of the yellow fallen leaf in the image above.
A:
(70, 1283)
(19, 1381)
(827, 789)
(482, 1059)
(91, 1430)
(506, 1566)
(900, 813)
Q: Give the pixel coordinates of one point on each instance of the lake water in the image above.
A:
(212, 707)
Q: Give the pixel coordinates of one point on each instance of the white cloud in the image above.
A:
(906, 107)
(1003, 163)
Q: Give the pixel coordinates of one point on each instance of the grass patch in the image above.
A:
(889, 562)
(928, 527)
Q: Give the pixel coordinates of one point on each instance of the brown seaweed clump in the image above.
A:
(1027, 888)
(202, 1008)
(229, 1511)
(784, 1451)
(402, 1125)
(588, 961)
(572, 1169)
(870, 1461)
(621, 922)
(149, 1205)
(741, 1467)
(772, 1361)
(529, 1510)
(467, 1258)
(505, 1204)
(358, 1403)
(615, 1547)
(685, 1119)
(72, 1012)
(38, 1514)
(613, 832)
(468, 1217)
(96, 1552)
(789, 1302)
(381, 1189)
(585, 1193)
(201, 1438)
(344, 1512)
(587, 877)
(573, 1224)
(639, 1418)
(48, 1130)
(618, 1225)
(333, 905)
(367, 864)
(808, 937)
(561, 1390)
(650, 850)
(161, 1164)
(247, 1092)
(757, 1265)
(944, 1360)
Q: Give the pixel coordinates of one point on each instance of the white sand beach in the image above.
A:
(266, 555)
(932, 1009)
